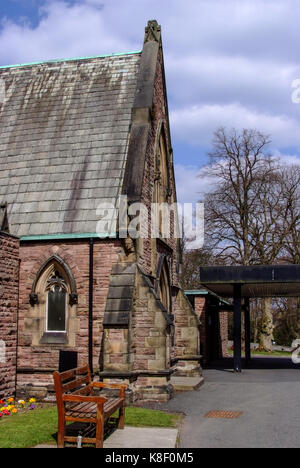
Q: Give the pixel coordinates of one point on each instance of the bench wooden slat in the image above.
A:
(86, 410)
(82, 407)
(112, 402)
(76, 402)
(73, 372)
(79, 419)
(84, 391)
(112, 407)
(77, 383)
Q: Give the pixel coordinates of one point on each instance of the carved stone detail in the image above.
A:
(153, 32)
(33, 299)
(73, 299)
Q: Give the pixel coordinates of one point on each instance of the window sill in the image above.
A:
(54, 338)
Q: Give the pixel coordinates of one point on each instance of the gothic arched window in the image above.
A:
(163, 285)
(164, 288)
(161, 188)
(56, 303)
(53, 299)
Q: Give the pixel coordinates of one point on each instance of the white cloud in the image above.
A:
(192, 183)
(286, 159)
(197, 124)
(207, 78)
(227, 63)
(64, 31)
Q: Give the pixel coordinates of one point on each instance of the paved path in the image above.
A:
(133, 437)
(137, 437)
(268, 394)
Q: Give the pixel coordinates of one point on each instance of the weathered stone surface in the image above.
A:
(31, 352)
(9, 287)
(70, 132)
(64, 131)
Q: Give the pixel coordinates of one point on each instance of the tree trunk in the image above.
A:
(266, 337)
(298, 317)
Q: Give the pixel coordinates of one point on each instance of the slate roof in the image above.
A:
(64, 130)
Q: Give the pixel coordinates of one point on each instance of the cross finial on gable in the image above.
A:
(152, 32)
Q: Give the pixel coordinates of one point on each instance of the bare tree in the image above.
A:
(192, 260)
(286, 320)
(291, 251)
(270, 229)
(251, 213)
(240, 163)
(291, 186)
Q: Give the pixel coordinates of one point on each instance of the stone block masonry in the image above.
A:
(9, 289)
(38, 360)
(212, 347)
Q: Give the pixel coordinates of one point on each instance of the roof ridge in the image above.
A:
(117, 54)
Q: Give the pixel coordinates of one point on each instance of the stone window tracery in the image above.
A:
(53, 313)
(56, 291)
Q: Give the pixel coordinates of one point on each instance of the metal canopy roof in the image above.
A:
(256, 281)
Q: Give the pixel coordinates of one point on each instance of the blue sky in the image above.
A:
(229, 63)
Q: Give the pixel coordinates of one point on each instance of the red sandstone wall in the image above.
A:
(159, 113)
(200, 306)
(152, 250)
(9, 275)
(76, 255)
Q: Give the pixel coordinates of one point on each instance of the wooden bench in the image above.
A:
(76, 402)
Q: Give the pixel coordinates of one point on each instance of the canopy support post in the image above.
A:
(247, 331)
(237, 312)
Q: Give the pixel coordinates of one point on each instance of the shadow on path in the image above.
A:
(257, 362)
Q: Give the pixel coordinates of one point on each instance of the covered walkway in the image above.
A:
(243, 283)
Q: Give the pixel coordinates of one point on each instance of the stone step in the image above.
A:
(182, 384)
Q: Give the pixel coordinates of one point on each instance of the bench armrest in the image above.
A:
(84, 399)
(121, 387)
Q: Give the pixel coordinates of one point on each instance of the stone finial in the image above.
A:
(152, 32)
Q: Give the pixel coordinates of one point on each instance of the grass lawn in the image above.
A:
(40, 426)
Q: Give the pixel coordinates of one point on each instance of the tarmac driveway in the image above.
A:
(268, 395)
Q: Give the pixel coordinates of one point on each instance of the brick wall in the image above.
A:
(9, 276)
(36, 362)
(221, 341)
(159, 113)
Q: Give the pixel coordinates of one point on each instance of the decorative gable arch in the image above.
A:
(163, 283)
(63, 267)
(162, 165)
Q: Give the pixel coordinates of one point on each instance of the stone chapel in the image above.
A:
(75, 134)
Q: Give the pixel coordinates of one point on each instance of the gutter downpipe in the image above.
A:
(91, 297)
